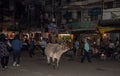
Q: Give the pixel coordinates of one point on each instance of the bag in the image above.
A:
(9, 48)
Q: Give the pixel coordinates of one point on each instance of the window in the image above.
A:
(59, 2)
(108, 5)
(5, 3)
(117, 3)
(94, 18)
(68, 1)
(79, 15)
(81, 0)
(68, 15)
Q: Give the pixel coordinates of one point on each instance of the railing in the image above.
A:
(83, 24)
(85, 2)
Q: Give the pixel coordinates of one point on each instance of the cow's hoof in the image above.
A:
(49, 64)
(55, 67)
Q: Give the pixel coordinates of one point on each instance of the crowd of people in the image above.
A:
(112, 49)
(5, 46)
(16, 46)
(105, 50)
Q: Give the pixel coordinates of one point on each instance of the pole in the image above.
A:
(102, 8)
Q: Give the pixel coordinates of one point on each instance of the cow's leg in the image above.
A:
(48, 60)
(53, 59)
(57, 62)
(56, 66)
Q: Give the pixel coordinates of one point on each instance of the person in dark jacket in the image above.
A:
(4, 54)
(16, 46)
(43, 43)
(31, 47)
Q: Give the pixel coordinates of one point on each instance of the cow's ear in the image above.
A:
(63, 44)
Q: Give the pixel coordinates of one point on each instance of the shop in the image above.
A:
(67, 38)
(110, 28)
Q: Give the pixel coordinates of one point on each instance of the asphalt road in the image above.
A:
(37, 66)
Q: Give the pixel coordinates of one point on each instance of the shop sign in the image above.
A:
(52, 28)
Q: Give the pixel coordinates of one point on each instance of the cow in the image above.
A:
(54, 52)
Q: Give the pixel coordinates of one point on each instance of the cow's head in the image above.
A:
(65, 47)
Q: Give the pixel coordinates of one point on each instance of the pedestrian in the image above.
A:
(16, 46)
(43, 43)
(76, 47)
(31, 47)
(4, 53)
(86, 51)
(117, 43)
(111, 48)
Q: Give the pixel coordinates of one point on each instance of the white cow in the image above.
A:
(55, 52)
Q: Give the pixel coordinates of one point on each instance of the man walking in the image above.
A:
(86, 53)
(16, 46)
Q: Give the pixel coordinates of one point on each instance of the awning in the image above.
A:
(81, 25)
(84, 30)
(113, 31)
(108, 29)
(109, 23)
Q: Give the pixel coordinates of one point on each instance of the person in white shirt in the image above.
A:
(111, 48)
(86, 51)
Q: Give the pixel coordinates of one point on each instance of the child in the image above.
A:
(103, 56)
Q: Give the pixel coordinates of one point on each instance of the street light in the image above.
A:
(53, 12)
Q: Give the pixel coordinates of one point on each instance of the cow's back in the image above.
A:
(50, 49)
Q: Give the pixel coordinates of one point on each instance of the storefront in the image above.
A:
(110, 27)
(68, 38)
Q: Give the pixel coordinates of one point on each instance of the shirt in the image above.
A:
(77, 45)
(86, 47)
(3, 50)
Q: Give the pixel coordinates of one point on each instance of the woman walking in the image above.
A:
(4, 54)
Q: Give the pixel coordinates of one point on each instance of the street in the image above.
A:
(37, 66)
